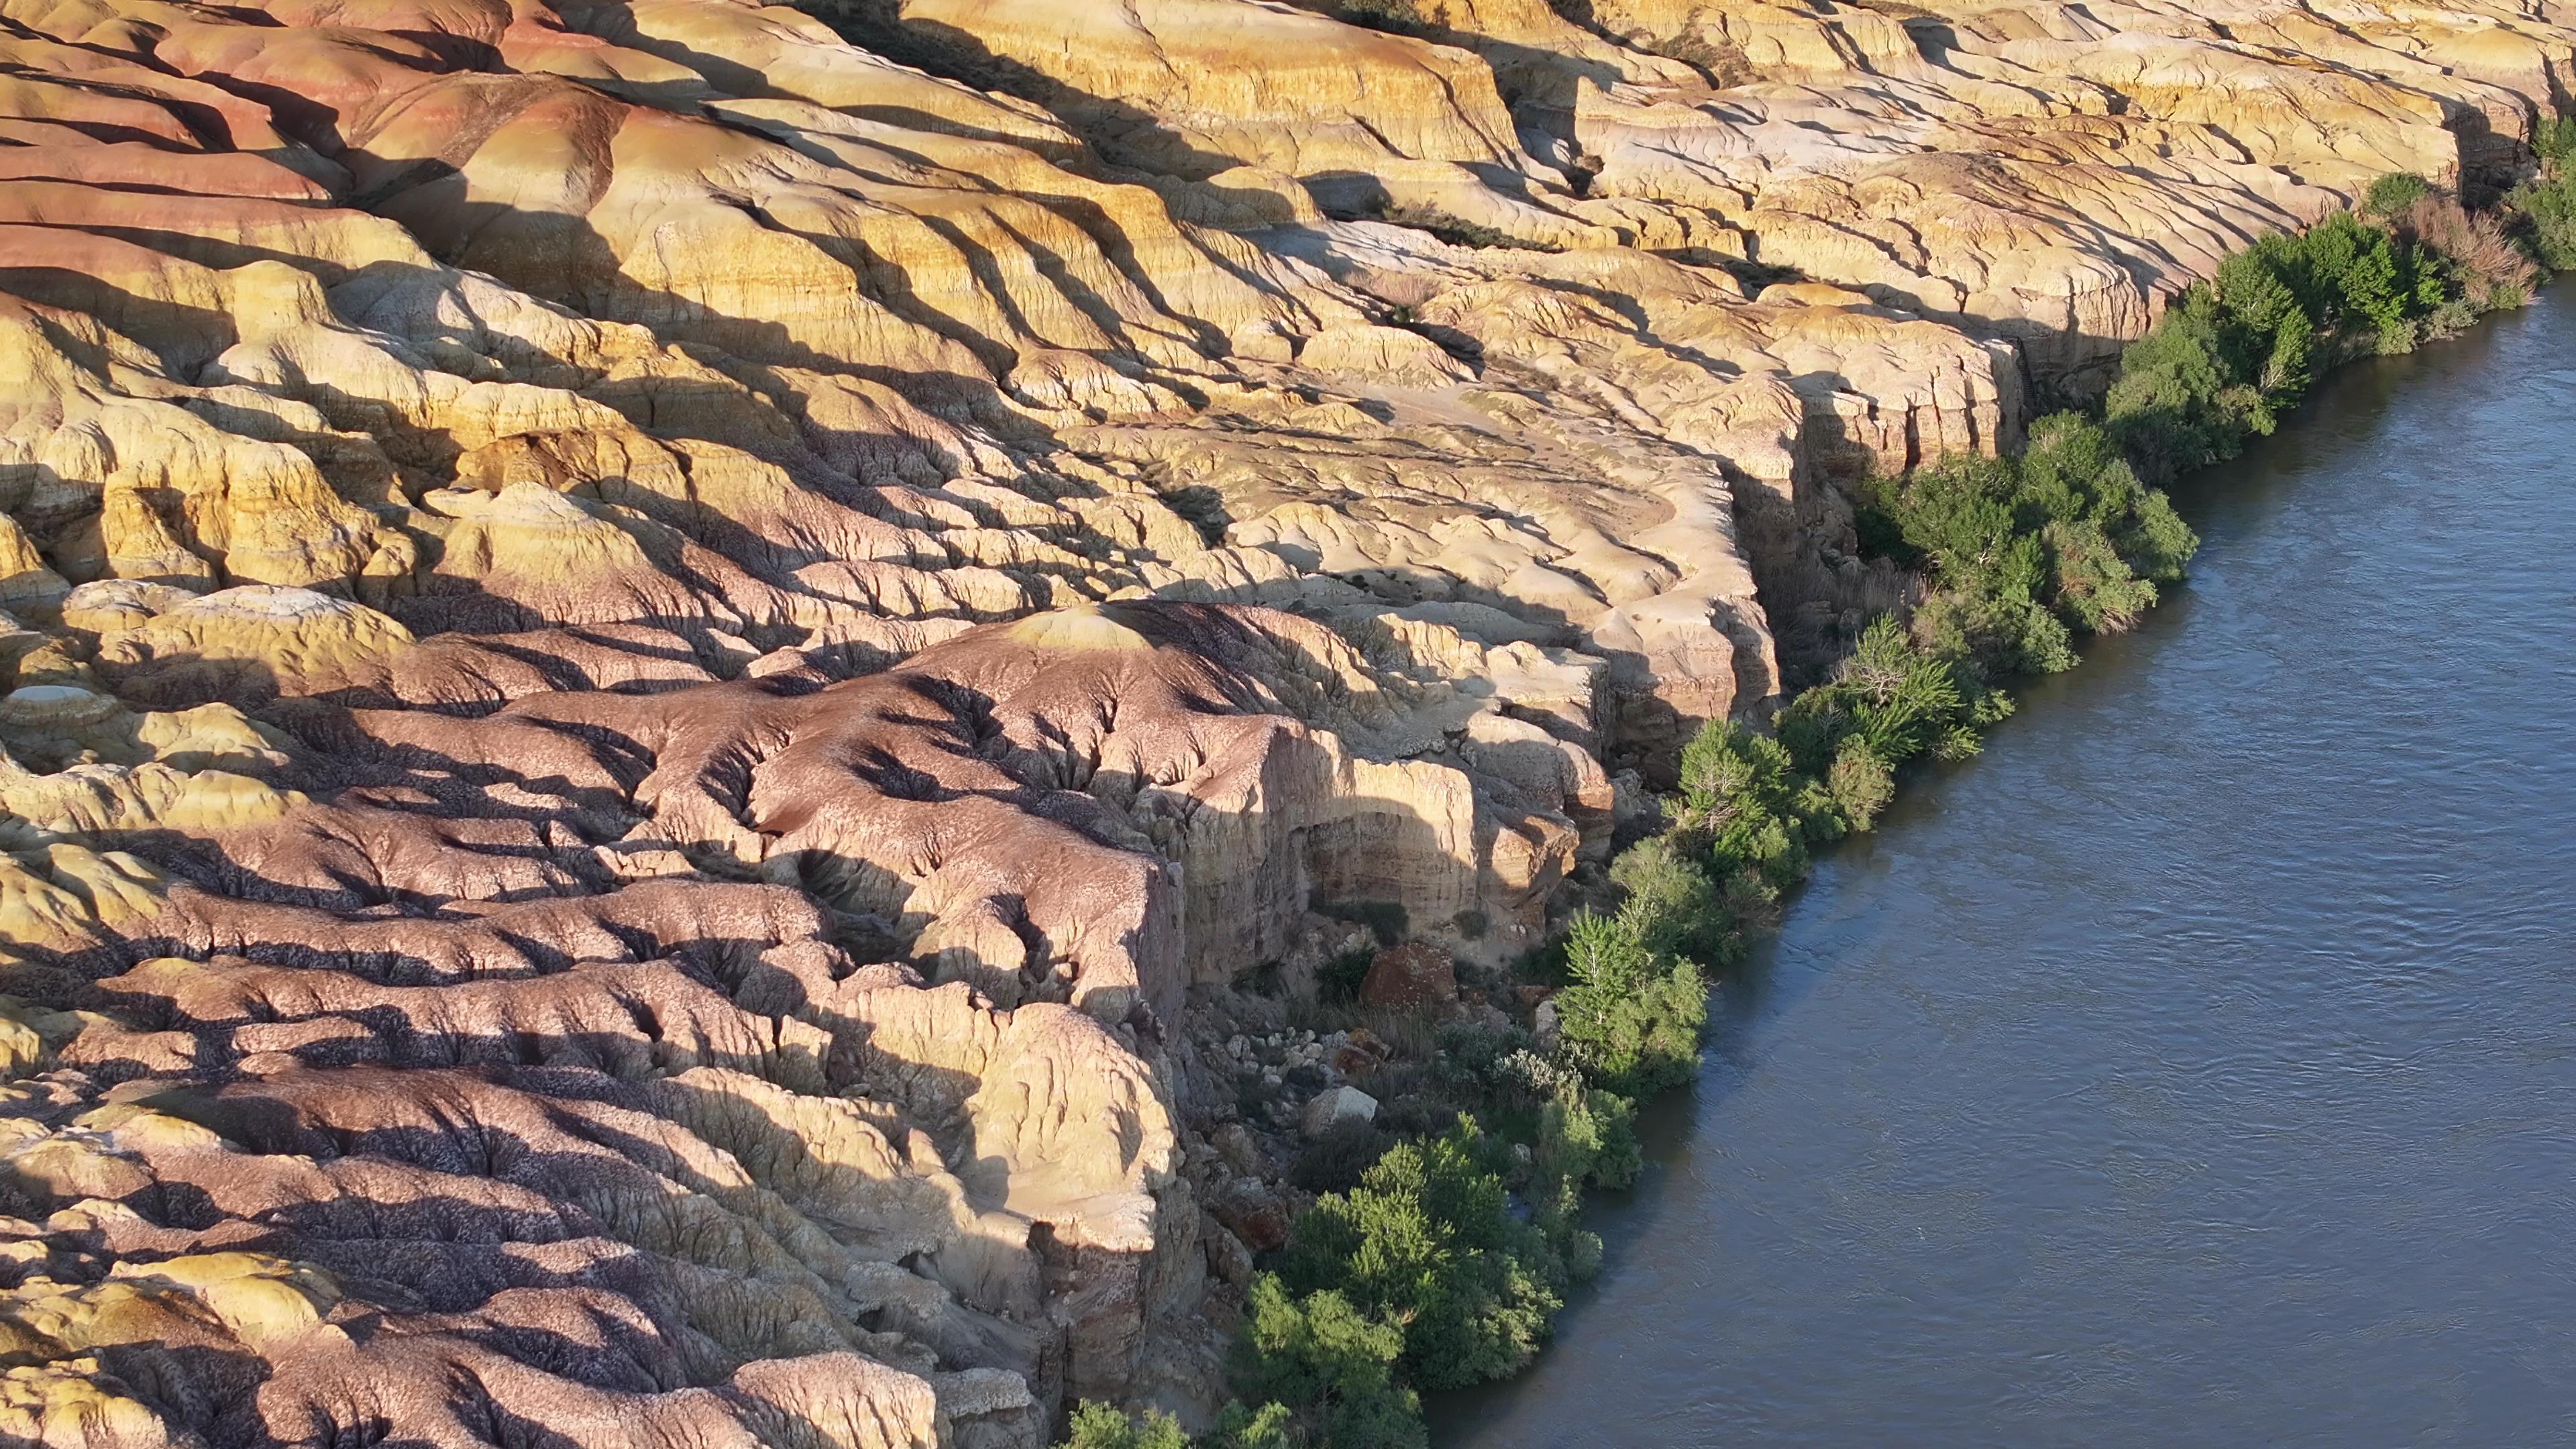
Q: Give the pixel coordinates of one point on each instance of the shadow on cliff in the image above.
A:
(1119, 132)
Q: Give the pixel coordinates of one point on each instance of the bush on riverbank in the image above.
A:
(2546, 204)
(1095, 1425)
(1428, 1244)
(1320, 1363)
(2024, 553)
(1630, 1015)
(1101, 1426)
(2236, 352)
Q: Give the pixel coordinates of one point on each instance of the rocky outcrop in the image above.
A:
(662, 656)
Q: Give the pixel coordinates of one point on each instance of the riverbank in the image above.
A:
(2193, 1062)
(2019, 555)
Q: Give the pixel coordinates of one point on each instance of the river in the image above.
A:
(2197, 1066)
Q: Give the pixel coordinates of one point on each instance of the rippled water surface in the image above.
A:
(2198, 1067)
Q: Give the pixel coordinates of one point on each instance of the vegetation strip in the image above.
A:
(1444, 1263)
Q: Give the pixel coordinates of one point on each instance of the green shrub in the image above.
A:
(1099, 1426)
(1959, 516)
(2394, 193)
(1901, 702)
(2232, 354)
(2180, 402)
(1239, 1427)
(1330, 1365)
(1994, 637)
(1861, 783)
(1672, 906)
(1588, 1138)
(1396, 17)
(1458, 231)
(2548, 209)
(1751, 901)
(1427, 1243)
(2094, 588)
(1631, 1019)
(2554, 141)
(1482, 1064)
(2074, 471)
(2026, 550)
(1744, 802)
(1338, 980)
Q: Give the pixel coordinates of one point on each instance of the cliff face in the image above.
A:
(660, 651)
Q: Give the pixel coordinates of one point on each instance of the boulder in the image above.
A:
(1253, 1211)
(1360, 1053)
(1339, 1105)
(1415, 976)
(1227, 1257)
(1233, 1141)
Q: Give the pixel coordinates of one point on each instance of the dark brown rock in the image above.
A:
(1362, 1054)
(1416, 976)
(1252, 1211)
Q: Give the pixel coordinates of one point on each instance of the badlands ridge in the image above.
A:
(664, 653)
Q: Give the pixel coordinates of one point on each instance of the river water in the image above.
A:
(2198, 1066)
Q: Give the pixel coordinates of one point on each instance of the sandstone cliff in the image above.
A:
(663, 654)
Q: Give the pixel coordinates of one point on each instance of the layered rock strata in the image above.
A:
(664, 655)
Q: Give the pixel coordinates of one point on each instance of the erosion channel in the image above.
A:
(2198, 1065)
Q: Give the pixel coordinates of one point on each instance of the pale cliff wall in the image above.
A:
(659, 652)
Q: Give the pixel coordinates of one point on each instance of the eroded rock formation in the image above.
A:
(663, 654)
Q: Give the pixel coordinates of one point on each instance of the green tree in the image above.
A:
(2548, 208)
(1631, 1018)
(2179, 403)
(1587, 1138)
(2554, 141)
(1861, 783)
(1239, 1427)
(2063, 538)
(2095, 588)
(1672, 907)
(1901, 702)
(1100, 1426)
(1427, 1243)
(2356, 277)
(1329, 1364)
(1744, 799)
